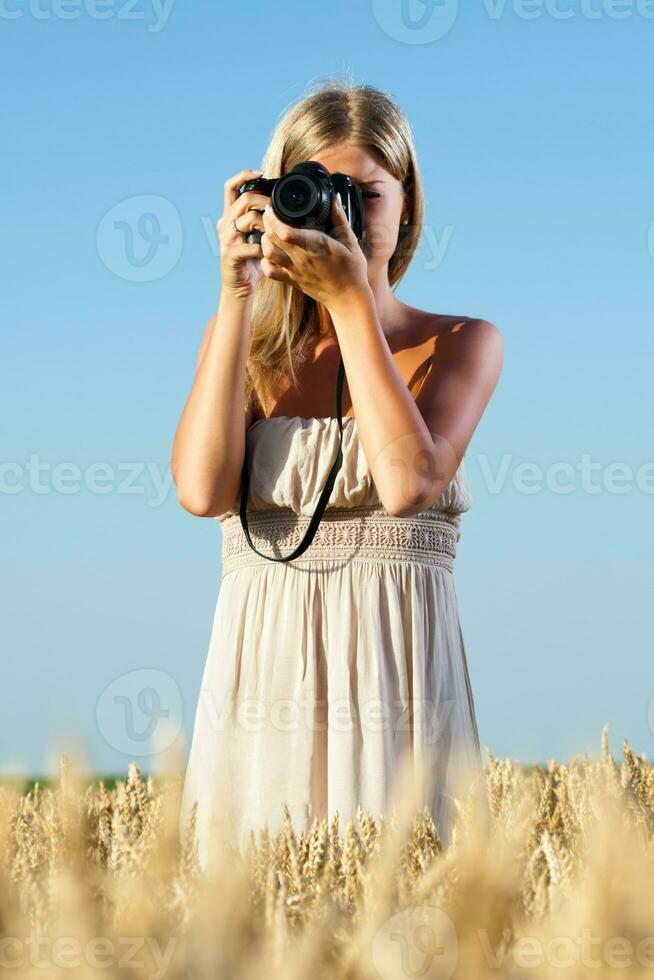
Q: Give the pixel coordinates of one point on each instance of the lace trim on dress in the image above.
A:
(370, 534)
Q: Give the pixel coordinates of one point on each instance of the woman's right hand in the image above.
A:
(240, 262)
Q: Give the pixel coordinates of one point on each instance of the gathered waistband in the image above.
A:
(364, 534)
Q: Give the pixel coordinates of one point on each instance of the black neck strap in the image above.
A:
(326, 490)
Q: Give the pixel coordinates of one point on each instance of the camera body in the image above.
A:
(303, 197)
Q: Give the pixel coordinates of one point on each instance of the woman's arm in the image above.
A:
(209, 443)
(414, 448)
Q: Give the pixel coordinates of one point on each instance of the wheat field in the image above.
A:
(95, 882)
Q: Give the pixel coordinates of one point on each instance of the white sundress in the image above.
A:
(323, 670)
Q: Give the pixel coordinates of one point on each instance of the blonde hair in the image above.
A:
(284, 320)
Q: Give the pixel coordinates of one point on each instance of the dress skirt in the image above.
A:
(325, 672)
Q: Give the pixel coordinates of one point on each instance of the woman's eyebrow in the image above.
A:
(367, 183)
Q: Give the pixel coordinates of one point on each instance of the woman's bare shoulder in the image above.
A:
(463, 342)
(427, 326)
(469, 346)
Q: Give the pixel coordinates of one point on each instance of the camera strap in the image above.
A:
(326, 490)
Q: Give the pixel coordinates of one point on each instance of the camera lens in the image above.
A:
(296, 197)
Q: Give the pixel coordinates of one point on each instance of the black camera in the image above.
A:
(303, 198)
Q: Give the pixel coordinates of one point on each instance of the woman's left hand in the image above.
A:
(326, 268)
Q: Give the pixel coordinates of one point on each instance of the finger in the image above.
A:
(293, 240)
(240, 250)
(274, 226)
(273, 252)
(273, 271)
(236, 227)
(249, 200)
(233, 183)
(342, 229)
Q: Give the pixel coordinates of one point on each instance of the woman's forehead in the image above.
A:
(349, 157)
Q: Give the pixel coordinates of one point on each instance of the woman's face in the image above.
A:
(382, 214)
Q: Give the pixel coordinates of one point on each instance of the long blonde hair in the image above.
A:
(285, 320)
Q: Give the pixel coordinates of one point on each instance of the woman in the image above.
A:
(325, 672)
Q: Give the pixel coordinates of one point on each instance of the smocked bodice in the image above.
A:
(289, 459)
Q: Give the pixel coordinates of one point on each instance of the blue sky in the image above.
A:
(534, 129)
